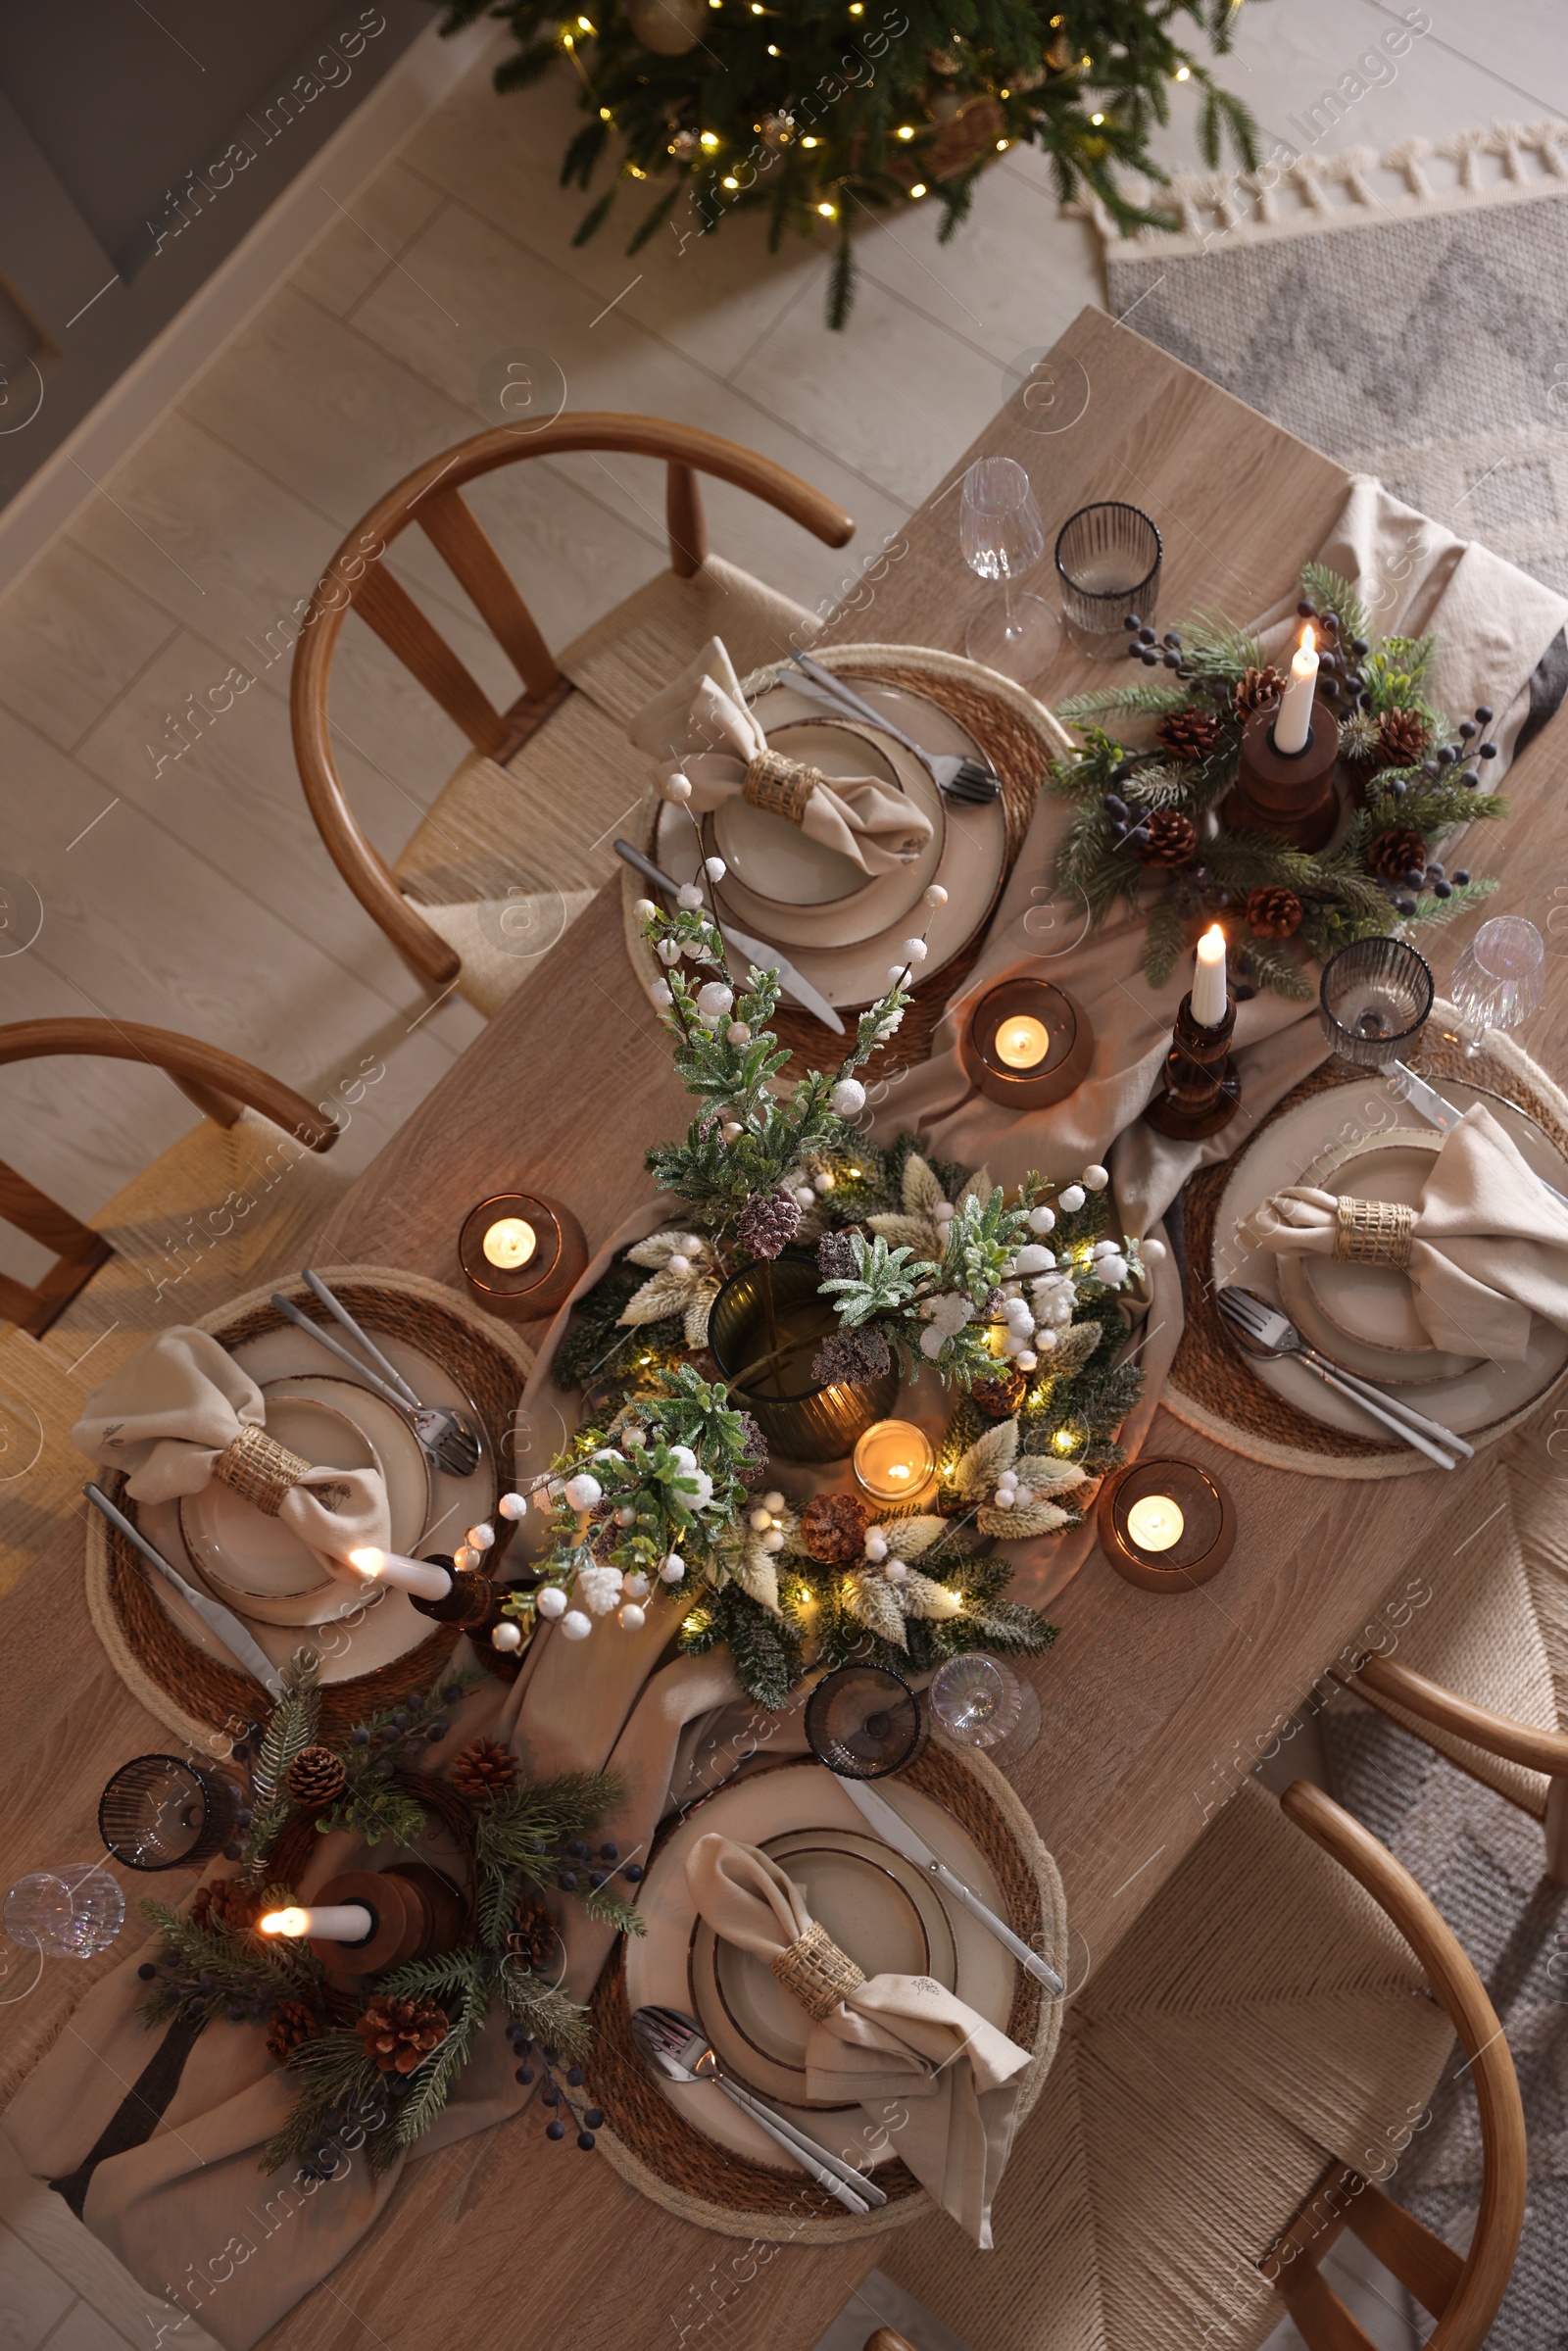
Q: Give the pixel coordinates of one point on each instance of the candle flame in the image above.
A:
(368, 1560)
(1211, 946)
(1309, 640)
(285, 1922)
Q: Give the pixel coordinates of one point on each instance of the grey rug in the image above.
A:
(1481, 1862)
(1430, 349)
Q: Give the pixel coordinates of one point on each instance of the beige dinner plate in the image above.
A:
(876, 1905)
(781, 863)
(1375, 1304)
(246, 1552)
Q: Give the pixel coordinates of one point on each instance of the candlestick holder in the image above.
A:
(1187, 1523)
(1028, 1044)
(521, 1254)
(415, 1912)
(1200, 1090)
(1289, 793)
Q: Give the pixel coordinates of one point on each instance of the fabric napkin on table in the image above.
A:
(1488, 1248)
(169, 1412)
(900, 2039)
(700, 727)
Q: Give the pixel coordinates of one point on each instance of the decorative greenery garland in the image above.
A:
(1147, 834)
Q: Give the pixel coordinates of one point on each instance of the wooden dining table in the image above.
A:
(1153, 1708)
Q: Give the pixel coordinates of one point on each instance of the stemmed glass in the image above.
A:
(1003, 538)
(1500, 978)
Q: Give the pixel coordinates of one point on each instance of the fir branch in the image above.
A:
(1273, 966)
(1163, 941)
(1332, 593)
(1142, 702)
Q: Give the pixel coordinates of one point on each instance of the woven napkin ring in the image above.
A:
(816, 1971)
(1373, 1232)
(781, 785)
(259, 1469)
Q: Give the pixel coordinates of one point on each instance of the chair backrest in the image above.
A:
(1463, 2295)
(357, 579)
(219, 1083)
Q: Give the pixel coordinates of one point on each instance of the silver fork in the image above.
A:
(955, 774)
(1265, 1330)
(446, 1436)
(678, 2047)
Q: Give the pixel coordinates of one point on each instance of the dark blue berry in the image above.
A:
(557, 2129)
(609, 1852)
(1135, 651)
(1172, 661)
(244, 1816)
(585, 2141)
(1405, 905)
(438, 1730)
(596, 1878)
(240, 1752)
(231, 1852)
(517, 2034)
(1306, 609)
(1461, 875)
(1442, 889)
(524, 2073)
(1488, 750)
(1359, 646)
(1132, 621)
(147, 1970)
(1467, 728)
(550, 2095)
(574, 2076)
(1483, 712)
(1434, 870)
(1242, 991)
(1415, 879)
(568, 1882)
(1396, 790)
(1151, 658)
(594, 2118)
(632, 1871)
(452, 1692)
(1447, 755)
(1145, 635)
(1471, 779)
(577, 1848)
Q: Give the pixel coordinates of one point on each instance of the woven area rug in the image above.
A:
(1402, 312)
(1480, 1859)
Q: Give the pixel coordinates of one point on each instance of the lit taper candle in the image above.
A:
(1210, 1001)
(408, 1575)
(1295, 720)
(333, 1922)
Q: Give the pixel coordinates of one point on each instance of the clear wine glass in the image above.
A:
(1500, 978)
(70, 1913)
(1003, 538)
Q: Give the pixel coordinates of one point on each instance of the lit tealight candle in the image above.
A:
(510, 1242)
(408, 1575)
(333, 1922)
(894, 1461)
(1154, 1523)
(1293, 722)
(1211, 1001)
(1022, 1042)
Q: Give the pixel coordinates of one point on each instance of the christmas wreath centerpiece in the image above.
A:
(1148, 832)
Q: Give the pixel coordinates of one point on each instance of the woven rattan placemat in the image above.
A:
(1211, 1387)
(1019, 738)
(191, 1691)
(657, 2150)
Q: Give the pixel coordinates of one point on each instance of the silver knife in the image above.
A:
(895, 1831)
(756, 950)
(1439, 1112)
(219, 1621)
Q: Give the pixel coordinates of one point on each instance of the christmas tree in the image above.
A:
(823, 112)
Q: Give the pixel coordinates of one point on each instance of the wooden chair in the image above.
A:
(232, 1204)
(1481, 1671)
(1234, 2081)
(548, 773)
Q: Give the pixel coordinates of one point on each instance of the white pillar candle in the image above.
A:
(408, 1575)
(1209, 1000)
(333, 1922)
(1295, 720)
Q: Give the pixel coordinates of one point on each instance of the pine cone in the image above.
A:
(850, 1357)
(1402, 740)
(835, 1257)
(999, 1394)
(316, 1777)
(1167, 838)
(293, 2022)
(535, 1938)
(768, 1223)
(1393, 854)
(833, 1528)
(753, 1456)
(1256, 690)
(399, 2035)
(226, 1902)
(1273, 913)
(485, 1768)
(1190, 734)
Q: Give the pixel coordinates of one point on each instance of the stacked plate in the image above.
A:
(1364, 1318)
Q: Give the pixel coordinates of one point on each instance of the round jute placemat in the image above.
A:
(191, 1691)
(1019, 738)
(1211, 1387)
(657, 2150)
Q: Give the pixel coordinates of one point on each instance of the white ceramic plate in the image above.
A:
(756, 1809)
(1475, 1398)
(1376, 1304)
(779, 861)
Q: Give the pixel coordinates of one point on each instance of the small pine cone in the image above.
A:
(293, 2022)
(1257, 689)
(753, 1457)
(835, 1257)
(847, 1357)
(1402, 739)
(833, 1528)
(999, 1394)
(1167, 838)
(316, 1776)
(484, 1769)
(768, 1223)
(534, 1939)
(1273, 913)
(1190, 734)
(399, 2035)
(1393, 854)
(227, 1902)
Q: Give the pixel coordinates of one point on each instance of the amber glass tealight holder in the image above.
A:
(521, 1254)
(1028, 1044)
(894, 1461)
(1165, 1524)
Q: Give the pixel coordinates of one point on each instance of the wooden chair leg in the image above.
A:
(1558, 1831)
(1321, 2319)
(1422, 2263)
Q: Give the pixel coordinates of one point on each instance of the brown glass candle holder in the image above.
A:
(547, 1243)
(415, 1912)
(1288, 793)
(1199, 1091)
(1165, 1524)
(1028, 1014)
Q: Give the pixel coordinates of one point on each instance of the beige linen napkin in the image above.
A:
(174, 1415)
(893, 2040)
(1488, 1246)
(700, 727)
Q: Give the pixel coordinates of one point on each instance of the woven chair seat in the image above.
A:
(174, 1263)
(507, 857)
(1261, 2020)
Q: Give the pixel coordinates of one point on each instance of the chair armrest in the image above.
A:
(1498, 1734)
